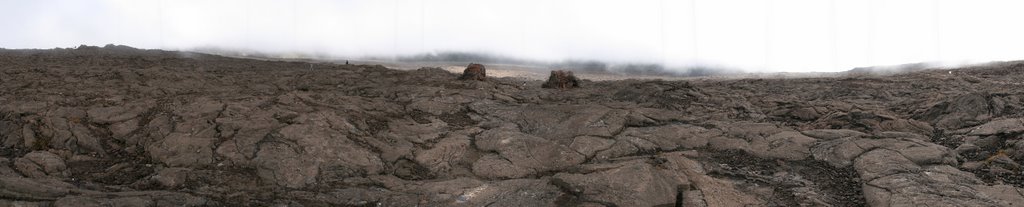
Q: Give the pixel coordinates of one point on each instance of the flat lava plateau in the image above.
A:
(118, 126)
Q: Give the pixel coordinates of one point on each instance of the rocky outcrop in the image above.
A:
(669, 179)
(997, 127)
(474, 72)
(41, 164)
(562, 80)
(520, 154)
(310, 151)
(118, 126)
(970, 109)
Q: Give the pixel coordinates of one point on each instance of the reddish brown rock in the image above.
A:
(562, 80)
(474, 71)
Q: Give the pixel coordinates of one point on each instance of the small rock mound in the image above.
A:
(970, 109)
(474, 71)
(562, 80)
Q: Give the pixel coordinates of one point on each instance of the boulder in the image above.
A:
(561, 80)
(40, 164)
(966, 110)
(474, 72)
(1000, 126)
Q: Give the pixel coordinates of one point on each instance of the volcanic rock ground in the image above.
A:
(116, 126)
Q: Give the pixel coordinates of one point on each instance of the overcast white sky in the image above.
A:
(756, 35)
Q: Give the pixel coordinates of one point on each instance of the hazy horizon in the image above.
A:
(754, 36)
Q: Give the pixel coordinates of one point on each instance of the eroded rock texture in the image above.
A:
(562, 80)
(474, 72)
(115, 126)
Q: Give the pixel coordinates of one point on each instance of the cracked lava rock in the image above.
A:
(102, 126)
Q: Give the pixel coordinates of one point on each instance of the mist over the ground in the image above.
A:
(450, 58)
(580, 65)
(753, 36)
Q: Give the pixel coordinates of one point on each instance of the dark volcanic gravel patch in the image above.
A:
(842, 185)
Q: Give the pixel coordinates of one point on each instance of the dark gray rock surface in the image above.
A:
(123, 127)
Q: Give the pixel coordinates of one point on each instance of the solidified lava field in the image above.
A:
(117, 126)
